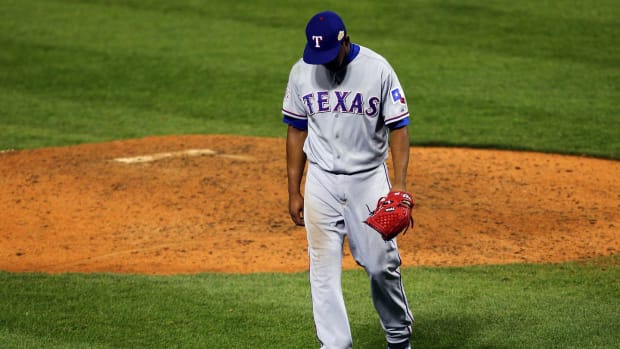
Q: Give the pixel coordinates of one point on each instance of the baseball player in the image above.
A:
(344, 107)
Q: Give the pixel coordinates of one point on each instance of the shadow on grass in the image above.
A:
(438, 332)
(450, 332)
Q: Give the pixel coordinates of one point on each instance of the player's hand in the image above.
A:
(296, 208)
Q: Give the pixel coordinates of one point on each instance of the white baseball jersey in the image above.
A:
(348, 113)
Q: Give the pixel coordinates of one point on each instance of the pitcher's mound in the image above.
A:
(190, 204)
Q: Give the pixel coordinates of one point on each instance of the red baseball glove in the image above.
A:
(392, 215)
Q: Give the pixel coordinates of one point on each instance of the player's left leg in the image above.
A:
(379, 258)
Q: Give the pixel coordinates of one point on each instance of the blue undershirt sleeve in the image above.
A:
(297, 123)
(402, 123)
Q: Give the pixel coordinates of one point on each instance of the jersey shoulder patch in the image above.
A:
(397, 96)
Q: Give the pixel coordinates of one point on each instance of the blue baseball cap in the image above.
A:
(324, 34)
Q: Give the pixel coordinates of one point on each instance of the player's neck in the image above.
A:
(352, 52)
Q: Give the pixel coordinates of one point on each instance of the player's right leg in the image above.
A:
(324, 227)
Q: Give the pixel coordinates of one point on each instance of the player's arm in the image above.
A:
(295, 165)
(399, 146)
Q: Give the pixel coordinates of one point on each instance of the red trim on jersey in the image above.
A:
(397, 117)
(293, 115)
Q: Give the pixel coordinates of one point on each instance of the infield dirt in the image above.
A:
(219, 204)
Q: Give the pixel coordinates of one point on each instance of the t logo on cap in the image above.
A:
(324, 34)
(317, 40)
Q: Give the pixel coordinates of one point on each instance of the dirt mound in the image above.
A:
(189, 204)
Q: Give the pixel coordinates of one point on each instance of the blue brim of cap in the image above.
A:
(312, 56)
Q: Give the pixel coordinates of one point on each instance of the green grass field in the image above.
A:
(518, 306)
(528, 75)
(522, 75)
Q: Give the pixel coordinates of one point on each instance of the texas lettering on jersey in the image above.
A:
(345, 102)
